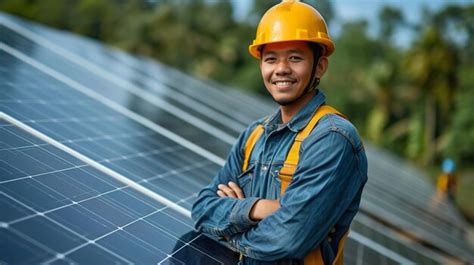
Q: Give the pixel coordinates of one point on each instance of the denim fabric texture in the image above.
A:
(324, 194)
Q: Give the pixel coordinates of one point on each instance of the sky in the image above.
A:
(347, 10)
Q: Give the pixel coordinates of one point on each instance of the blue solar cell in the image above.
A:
(15, 249)
(48, 234)
(11, 209)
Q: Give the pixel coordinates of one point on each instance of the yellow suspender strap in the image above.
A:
(339, 259)
(253, 137)
(289, 167)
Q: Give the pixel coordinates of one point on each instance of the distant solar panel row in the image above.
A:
(101, 103)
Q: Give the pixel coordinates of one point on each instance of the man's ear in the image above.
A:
(322, 66)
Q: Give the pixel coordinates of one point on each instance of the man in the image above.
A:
(288, 191)
(447, 180)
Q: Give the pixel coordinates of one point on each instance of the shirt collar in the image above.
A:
(301, 119)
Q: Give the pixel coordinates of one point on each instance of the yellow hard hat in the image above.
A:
(291, 20)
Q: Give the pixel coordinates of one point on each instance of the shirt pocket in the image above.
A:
(274, 192)
(245, 180)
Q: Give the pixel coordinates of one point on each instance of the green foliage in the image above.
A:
(416, 101)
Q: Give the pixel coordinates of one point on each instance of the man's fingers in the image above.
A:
(227, 191)
(221, 194)
(236, 189)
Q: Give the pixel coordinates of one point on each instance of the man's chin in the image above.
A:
(284, 101)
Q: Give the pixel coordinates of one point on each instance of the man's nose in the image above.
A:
(283, 68)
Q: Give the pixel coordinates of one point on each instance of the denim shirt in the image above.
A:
(323, 196)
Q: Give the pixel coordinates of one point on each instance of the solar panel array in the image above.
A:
(102, 154)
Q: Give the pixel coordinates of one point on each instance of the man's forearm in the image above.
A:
(263, 208)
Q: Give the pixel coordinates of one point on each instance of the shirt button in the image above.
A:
(264, 168)
(330, 239)
(333, 230)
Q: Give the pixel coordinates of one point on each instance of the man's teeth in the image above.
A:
(283, 83)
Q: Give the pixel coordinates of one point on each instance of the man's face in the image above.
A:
(286, 70)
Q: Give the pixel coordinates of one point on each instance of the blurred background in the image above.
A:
(403, 71)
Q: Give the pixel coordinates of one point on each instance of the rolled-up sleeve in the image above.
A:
(327, 182)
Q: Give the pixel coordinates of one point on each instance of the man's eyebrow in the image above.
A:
(299, 51)
(295, 51)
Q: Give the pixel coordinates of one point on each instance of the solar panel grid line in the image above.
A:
(73, 202)
(97, 165)
(188, 244)
(40, 174)
(115, 106)
(132, 88)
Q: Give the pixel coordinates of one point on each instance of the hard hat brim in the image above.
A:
(254, 49)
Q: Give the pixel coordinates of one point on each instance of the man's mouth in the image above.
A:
(283, 83)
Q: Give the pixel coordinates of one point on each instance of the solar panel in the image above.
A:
(160, 108)
(97, 107)
(412, 205)
(101, 133)
(56, 207)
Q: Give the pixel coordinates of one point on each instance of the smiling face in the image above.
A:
(286, 70)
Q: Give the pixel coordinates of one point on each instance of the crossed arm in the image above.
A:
(261, 209)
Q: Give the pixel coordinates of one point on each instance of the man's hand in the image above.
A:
(230, 190)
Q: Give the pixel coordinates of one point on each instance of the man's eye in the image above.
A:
(269, 59)
(295, 58)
